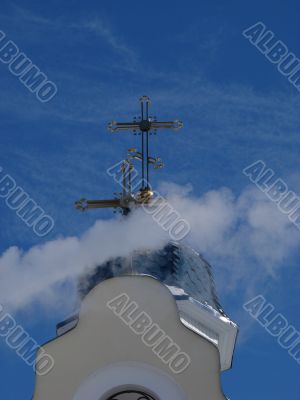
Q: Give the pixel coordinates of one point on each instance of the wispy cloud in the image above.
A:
(102, 29)
(97, 26)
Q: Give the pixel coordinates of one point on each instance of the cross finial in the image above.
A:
(143, 126)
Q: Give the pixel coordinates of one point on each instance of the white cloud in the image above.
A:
(26, 276)
(246, 236)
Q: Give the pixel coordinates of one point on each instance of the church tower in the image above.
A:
(149, 326)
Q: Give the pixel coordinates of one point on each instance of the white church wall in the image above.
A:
(102, 344)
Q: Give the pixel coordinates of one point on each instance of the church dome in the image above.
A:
(175, 265)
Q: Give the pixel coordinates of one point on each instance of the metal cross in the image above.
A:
(143, 126)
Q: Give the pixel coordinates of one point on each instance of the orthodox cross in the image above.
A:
(144, 126)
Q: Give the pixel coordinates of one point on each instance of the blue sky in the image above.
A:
(193, 61)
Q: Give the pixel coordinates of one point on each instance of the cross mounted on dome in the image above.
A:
(144, 126)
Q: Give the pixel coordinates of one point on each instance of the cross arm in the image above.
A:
(167, 125)
(84, 204)
(115, 126)
(145, 125)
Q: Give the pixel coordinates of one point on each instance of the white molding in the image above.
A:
(129, 376)
(210, 324)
